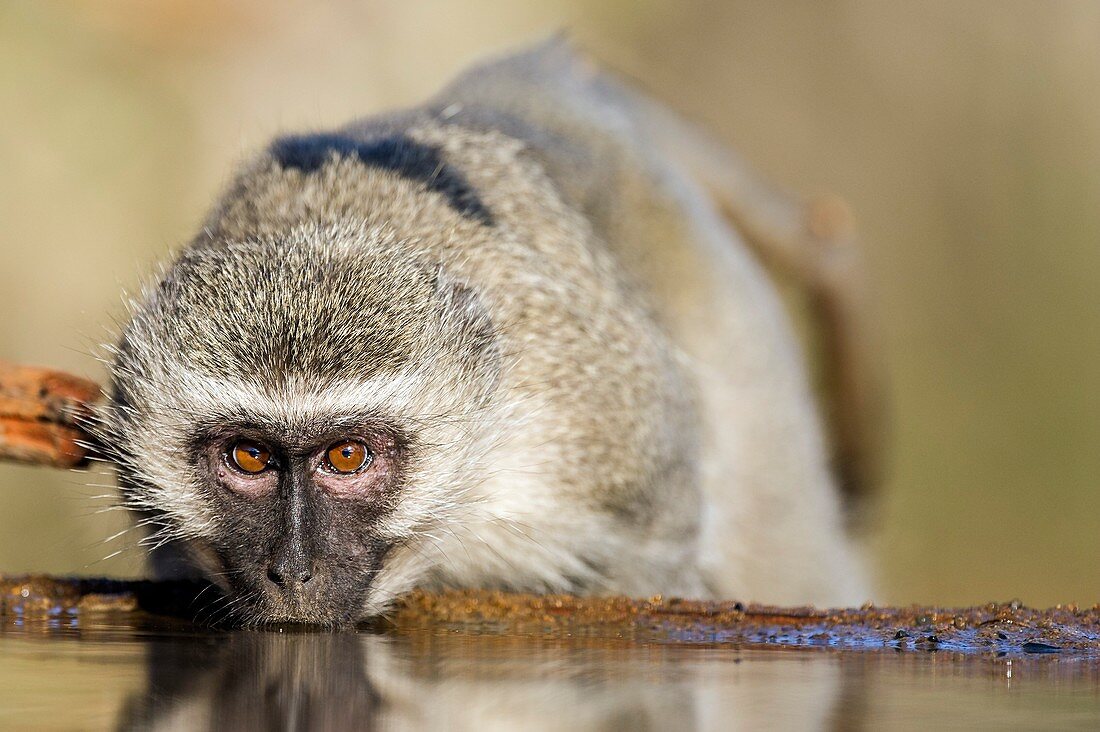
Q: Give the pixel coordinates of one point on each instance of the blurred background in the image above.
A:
(965, 136)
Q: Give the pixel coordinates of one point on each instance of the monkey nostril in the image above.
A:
(275, 576)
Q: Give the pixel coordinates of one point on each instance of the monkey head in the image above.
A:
(288, 408)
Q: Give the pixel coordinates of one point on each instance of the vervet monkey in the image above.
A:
(503, 340)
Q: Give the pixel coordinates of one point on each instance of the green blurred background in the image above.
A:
(966, 137)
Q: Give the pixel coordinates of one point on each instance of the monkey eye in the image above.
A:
(347, 457)
(249, 456)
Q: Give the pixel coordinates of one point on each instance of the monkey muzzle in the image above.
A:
(302, 557)
(295, 587)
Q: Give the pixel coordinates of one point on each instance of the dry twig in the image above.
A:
(40, 413)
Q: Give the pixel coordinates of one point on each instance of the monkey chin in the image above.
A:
(302, 613)
(322, 606)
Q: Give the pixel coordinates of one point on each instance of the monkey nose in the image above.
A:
(286, 574)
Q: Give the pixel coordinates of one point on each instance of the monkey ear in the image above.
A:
(468, 327)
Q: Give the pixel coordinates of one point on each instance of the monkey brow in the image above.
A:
(397, 153)
(297, 433)
(235, 420)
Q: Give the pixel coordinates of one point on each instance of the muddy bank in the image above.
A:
(998, 628)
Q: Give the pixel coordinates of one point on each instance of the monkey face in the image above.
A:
(289, 433)
(297, 536)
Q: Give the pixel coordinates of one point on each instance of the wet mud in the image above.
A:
(1003, 629)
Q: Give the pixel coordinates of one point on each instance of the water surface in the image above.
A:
(124, 674)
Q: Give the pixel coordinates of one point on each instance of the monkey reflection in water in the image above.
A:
(446, 681)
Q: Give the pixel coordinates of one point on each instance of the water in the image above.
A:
(57, 674)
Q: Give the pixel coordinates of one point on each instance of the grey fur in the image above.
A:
(599, 386)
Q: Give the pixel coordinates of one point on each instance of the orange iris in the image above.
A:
(347, 457)
(251, 457)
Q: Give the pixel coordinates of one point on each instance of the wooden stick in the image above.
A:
(41, 411)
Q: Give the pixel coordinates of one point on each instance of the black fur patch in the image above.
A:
(398, 153)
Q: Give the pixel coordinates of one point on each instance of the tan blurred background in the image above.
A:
(966, 136)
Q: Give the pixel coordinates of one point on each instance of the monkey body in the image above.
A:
(569, 373)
